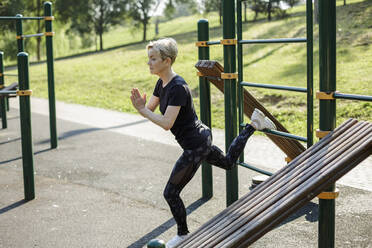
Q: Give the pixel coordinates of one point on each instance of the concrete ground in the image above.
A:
(103, 186)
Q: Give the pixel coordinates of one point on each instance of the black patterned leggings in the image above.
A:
(189, 162)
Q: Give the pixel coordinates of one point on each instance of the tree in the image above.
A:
(140, 12)
(91, 16)
(213, 5)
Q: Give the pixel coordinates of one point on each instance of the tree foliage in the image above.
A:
(140, 12)
(92, 16)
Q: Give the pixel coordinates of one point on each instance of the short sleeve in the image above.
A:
(157, 89)
(177, 96)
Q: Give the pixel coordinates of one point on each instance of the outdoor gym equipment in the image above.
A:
(327, 98)
(24, 94)
(48, 18)
(289, 189)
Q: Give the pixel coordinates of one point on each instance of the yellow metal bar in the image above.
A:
(19, 37)
(49, 33)
(324, 96)
(288, 159)
(49, 18)
(201, 44)
(229, 42)
(24, 92)
(321, 134)
(329, 195)
(229, 75)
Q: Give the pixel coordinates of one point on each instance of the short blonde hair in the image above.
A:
(167, 48)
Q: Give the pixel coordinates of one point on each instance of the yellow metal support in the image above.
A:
(229, 75)
(49, 18)
(201, 44)
(324, 96)
(229, 42)
(329, 195)
(321, 134)
(49, 33)
(24, 92)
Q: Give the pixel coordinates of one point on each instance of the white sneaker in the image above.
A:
(175, 241)
(260, 121)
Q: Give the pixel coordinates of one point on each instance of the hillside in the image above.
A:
(105, 79)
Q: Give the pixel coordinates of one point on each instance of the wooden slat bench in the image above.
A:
(289, 189)
(212, 71)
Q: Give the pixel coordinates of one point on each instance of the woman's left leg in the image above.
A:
(183, 171)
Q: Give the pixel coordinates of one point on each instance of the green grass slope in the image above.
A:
(105, 79)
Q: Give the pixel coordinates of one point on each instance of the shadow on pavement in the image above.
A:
(165, 226)
(310, 211)
(71, 133)
(12, 206)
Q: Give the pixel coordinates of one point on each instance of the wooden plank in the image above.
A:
(213, 70)
(282, 194)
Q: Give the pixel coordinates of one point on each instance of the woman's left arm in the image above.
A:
(165, 121)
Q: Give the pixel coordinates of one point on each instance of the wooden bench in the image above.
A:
(289, 189)
(212, 71)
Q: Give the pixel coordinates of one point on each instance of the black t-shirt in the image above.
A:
(186, 128)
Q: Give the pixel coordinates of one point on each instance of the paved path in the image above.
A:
(103, 186)
(260, 150)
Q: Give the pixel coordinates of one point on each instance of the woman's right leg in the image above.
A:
(218, 158)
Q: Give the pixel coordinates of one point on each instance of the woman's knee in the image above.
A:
(170, 192)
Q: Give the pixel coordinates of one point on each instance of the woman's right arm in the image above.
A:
(153, 103)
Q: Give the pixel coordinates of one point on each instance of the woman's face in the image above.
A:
(156, 64)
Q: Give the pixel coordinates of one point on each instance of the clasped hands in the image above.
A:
(138, 101)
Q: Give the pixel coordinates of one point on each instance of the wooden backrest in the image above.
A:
(212, 71)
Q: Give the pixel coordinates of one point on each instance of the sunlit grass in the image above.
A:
(105, 79)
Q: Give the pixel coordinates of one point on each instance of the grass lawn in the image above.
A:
(105, 79)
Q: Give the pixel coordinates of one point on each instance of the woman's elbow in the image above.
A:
(167, 126)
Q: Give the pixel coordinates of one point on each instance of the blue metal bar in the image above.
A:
(13, 18)
(8, 92)
(352, 97)
(32, 35)
(284, 134)
(213, 43)
(284, 40)
(277, 87)
(251, 167)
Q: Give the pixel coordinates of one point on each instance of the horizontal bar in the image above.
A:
(284, 134)
(277, 87)
(245, 165)
(284, 40)
(10, 75)
(213, 42)
(8, 92)
(32, 35)
(13, 18)
(352, 97)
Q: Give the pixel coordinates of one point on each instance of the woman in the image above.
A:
(174, 98)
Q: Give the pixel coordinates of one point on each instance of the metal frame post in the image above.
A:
(3, 102)
(205, 106)
(239, 27)
(327, 108)
(229, 53)
(310, 73)
(26, 134)
(50, 65)
(19, 31)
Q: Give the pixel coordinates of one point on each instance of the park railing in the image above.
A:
(20, 36)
